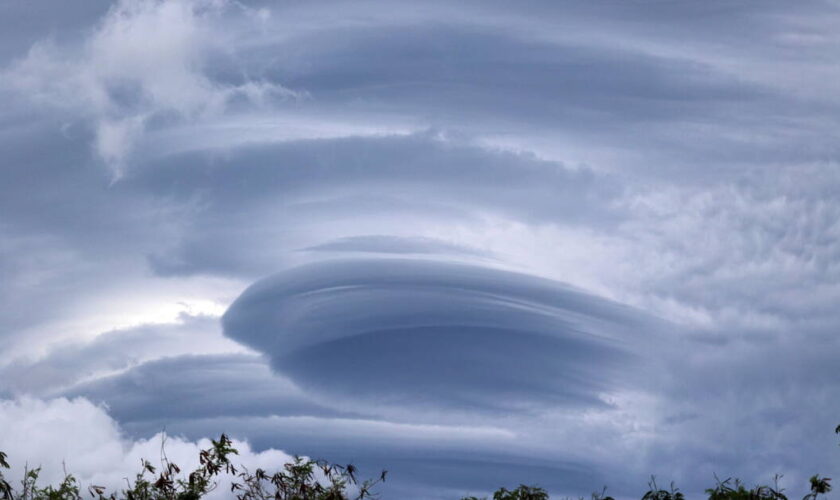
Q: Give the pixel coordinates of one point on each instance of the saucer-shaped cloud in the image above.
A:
(424, 333)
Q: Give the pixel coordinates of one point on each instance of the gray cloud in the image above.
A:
(419, 333)
(393, 244)
(678, 158)
(396, 179)
(199, 387)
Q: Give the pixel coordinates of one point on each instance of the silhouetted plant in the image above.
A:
(819, 486)
(727, 490)
(601, 495)
(656, 493)
(299, 480)
(523, 492)
(5, 487)
(305, 479)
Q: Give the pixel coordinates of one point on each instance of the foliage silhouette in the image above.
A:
(305, 479)
(301, 479)
(523, 492)
(656, 493)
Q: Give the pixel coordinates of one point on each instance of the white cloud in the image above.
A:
(80, 436)
(145, 60)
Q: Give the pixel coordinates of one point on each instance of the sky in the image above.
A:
(477, 243)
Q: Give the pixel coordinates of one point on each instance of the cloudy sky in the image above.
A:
(475, 243)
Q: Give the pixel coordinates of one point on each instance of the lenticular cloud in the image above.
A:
(429, 333)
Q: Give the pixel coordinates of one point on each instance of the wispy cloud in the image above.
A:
(145, 60)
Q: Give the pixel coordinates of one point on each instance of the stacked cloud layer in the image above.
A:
(417, 333)
(386, 200)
